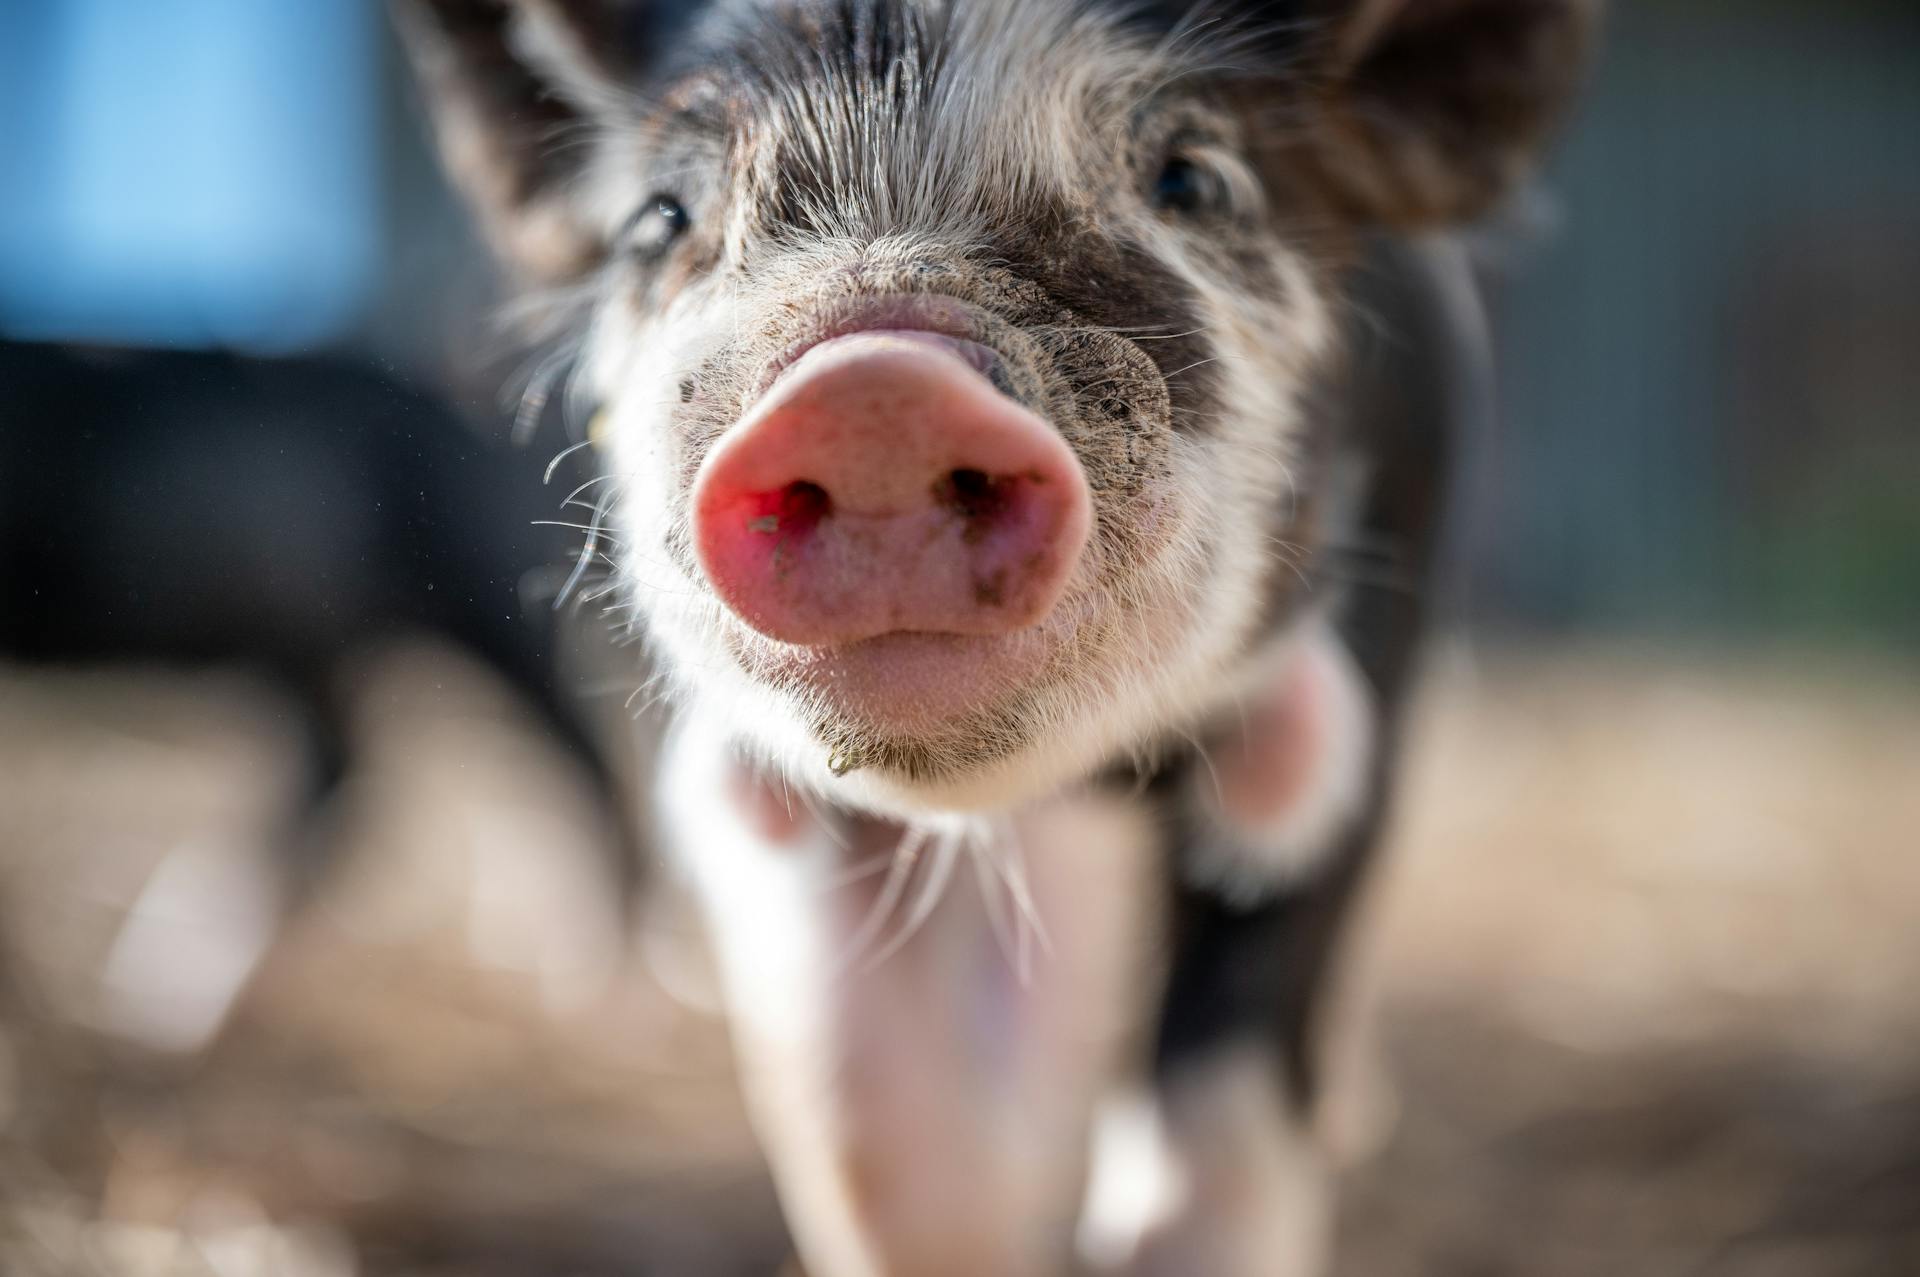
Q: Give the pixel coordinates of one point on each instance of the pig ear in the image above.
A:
(510, 85)
(1437, 107)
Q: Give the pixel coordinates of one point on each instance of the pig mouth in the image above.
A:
(915, 686)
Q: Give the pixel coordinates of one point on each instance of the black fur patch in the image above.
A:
(1107, 283)
(1260, 974)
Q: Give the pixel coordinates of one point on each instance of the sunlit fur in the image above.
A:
(911, 174)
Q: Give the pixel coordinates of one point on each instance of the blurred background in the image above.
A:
(310, 954)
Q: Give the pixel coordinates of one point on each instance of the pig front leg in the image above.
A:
(924, 1016)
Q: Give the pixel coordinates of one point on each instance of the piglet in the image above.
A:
(1026, 426)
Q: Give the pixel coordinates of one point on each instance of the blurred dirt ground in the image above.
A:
(1648, 963)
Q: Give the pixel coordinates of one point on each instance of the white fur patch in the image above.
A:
(1136, 1184)
(1256, 1197)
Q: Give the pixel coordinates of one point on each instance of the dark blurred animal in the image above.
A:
(281, 517)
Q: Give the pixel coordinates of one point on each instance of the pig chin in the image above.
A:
(917, 708)
(914, 685)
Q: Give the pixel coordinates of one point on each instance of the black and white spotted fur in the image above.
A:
(1187, 230)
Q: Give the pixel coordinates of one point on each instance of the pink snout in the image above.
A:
(883, 485)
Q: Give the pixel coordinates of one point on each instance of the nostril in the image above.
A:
(973, 494)
(791, 510)
(804, 501)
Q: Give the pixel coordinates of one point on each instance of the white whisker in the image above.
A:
(947, 850)
(905, 860)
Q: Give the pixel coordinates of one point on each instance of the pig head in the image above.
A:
(953, 357)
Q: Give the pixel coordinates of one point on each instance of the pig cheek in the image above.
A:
(1287, 785)
(1268, 768)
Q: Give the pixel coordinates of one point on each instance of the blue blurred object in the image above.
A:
(198, 172)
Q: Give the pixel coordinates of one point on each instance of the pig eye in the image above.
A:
(1185, 187)
(656, 225)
